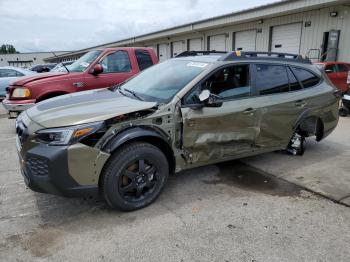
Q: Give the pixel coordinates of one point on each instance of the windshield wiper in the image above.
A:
(61, 63)
(133, 93)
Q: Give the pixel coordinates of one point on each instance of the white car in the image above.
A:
(8, 74)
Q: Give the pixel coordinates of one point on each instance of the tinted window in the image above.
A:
(331, 68)
(144, 59)
(230, 83)
(271, 79)
(343, 68)
(117, 62)
(307, 78)
(293, 82)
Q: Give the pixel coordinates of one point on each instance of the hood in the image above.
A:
(84, 107)
(30, 78)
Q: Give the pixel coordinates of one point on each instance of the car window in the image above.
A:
(271, 79)
(307, 78)
(144, 59)
(331, 68)
(294, 84)
(229, 83)
(19, 73)
(343, 68)
(8, 73)
(117, 62)
(162, 81)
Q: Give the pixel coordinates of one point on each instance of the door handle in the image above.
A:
(300, 103)
(249, 111)
(78, 84)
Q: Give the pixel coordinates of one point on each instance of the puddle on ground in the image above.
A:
(235, 173)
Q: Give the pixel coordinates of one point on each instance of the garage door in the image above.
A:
(163, 52)
(217, 43)
(177, 48)
(245, 40)
(195, 44)
(286, 38)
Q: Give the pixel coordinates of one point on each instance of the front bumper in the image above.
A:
(17, 105)
(45, 170)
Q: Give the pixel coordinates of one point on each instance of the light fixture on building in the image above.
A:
(333, 14)
(260, 21)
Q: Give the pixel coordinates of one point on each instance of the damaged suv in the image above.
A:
(193, 110)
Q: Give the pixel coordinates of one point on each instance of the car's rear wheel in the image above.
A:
(135, 176)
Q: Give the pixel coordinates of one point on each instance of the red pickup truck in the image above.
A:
(337, 72)
(95, 69)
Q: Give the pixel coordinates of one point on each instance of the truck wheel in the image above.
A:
(135, 176)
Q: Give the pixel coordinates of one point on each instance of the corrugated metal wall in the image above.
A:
(311, 37)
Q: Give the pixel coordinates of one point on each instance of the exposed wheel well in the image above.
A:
(155, 141)
(311, 126)
(50, 95)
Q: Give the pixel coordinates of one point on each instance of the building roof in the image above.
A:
(246, 15)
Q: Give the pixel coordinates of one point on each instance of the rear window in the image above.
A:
(293, 82)
(271, 79)
(343, 68)
(144, 59)
(306, 78)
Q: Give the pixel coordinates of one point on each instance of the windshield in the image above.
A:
(83, 62)
(161, 82)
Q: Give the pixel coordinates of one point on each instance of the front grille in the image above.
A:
(38, 166)
(22, 132)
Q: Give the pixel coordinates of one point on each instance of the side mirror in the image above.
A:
(204, 95)
(210, 100)
(98, 69)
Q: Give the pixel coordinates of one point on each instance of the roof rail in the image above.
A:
(236, 55)
(196, 53)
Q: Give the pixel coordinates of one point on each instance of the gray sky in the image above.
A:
(46, 25)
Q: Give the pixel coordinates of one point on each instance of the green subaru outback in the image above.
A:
(196, 109)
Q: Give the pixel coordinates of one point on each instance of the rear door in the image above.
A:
(216, 133)
(117, 67)
(279, 101)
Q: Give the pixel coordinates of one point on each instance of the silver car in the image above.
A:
(8, 74)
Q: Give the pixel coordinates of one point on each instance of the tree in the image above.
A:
(8, 49)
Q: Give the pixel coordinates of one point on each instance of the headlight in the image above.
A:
(21, 92)
(67, 135)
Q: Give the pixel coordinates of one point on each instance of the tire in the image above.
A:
(343, 111)
(135, 176)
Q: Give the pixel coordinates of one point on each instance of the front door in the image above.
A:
(217, 133)
(116, 69)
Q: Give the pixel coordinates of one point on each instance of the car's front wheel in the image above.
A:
(135, 176)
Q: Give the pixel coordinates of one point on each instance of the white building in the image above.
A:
(26, 59)
(319, 29)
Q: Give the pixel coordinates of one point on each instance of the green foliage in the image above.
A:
(8, 49)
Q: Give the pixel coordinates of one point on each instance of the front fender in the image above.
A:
(132, 133)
